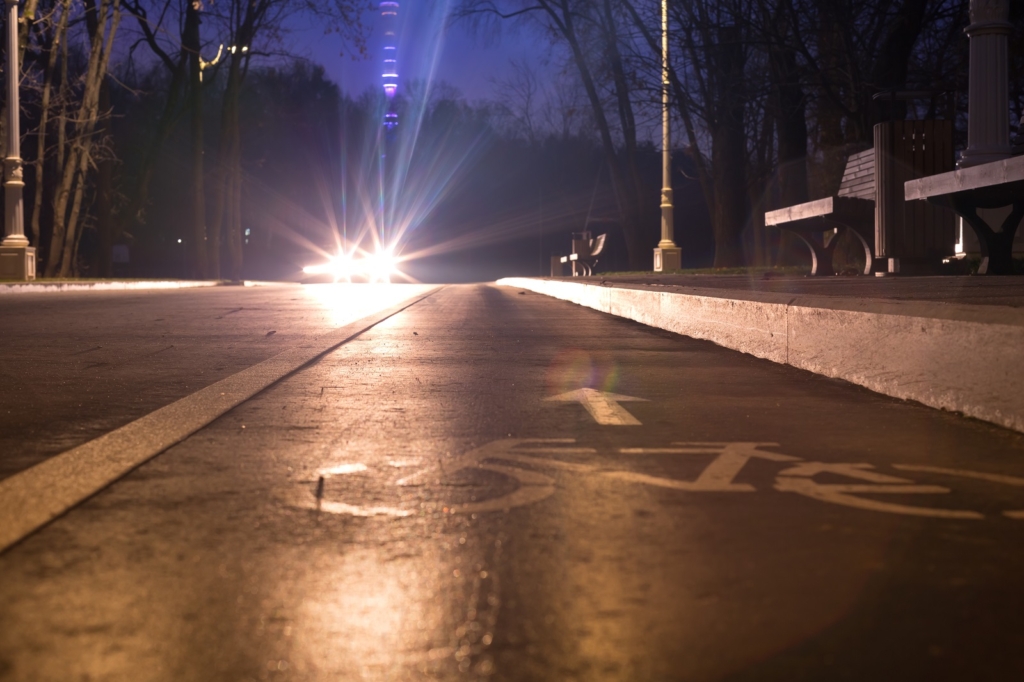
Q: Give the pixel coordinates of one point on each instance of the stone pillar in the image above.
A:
(17, 258)
(988, 121)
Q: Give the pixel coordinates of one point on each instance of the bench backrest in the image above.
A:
(859, 176)
(585, 247)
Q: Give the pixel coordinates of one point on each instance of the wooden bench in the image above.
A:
(871, 203)
(990, 185)
(584, 253)
(853, 208)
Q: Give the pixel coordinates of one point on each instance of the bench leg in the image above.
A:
(821, 253)
(996, 247)
(869, 258)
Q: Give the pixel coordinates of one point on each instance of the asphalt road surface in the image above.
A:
(489, 485)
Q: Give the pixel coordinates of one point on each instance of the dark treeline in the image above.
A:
(173, 138)
(169, 138)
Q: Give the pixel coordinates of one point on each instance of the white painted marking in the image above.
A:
(798, 479)
(34, 497)
(718, 476)
(533, 486)
(505, 449)
(509, 457)
(343, 469)
(603, 407)
(980, 475)
(860, 471)
(352, 510)
(964, 473)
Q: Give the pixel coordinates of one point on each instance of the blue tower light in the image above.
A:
(389, 76)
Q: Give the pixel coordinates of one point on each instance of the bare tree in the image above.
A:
(77, 137)
(592, 34)
(518, 100)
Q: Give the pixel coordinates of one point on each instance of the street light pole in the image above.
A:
(17, 258)
(667, 256)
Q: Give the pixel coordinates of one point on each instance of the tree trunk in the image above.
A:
(222, 220)
(197, 194)
(731, 206)
(53, 51)
(893, 61)
(104, 191)
(791, 129)
(74, 166)
(235, 226)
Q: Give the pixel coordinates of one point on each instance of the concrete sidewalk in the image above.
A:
(954, 343)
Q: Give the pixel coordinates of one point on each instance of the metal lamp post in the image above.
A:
(17, 258)
(667, 256)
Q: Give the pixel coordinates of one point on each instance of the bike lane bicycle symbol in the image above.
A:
(524, 459)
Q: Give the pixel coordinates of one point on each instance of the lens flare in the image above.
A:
(575, 368)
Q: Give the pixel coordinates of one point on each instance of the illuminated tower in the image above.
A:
(389, 25)
(389, 22)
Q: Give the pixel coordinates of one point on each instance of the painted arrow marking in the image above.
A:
(603, 407)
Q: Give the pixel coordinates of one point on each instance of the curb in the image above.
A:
(953, 357)
(52, 287)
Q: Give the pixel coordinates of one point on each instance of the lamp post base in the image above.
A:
(666, 259)
(17, 263)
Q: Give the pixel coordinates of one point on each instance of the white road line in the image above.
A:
(603, 407)
(36, 496)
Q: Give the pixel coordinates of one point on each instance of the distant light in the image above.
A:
(380, 266)
(340, 267)
(376, 267)
(179, 241)
(247, 232)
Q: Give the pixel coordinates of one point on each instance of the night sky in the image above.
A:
(455, 55)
